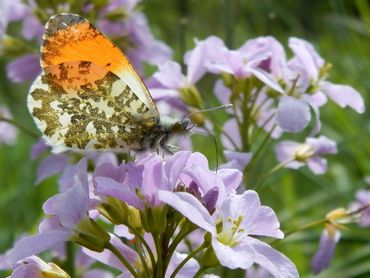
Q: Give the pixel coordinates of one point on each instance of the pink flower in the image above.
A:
(243, 218)
(8, 133)
(296, 155)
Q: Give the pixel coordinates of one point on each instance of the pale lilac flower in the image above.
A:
(203, 55)
(236, 160)
(35, 267)
(362, 200)
(108, 258)
(32, 28)
(242, 218)
(10, 10)
(23, 69)
(305, 86)
(151, 173)
(134, 27)
(293, 114)
(308, 66)
(230, 137)
(68, 220)
(328, 242)
(8, 132)
(50, 166)
(257, 272)
(38, 149)
(188, 270)
(296, 155)
(276, 58)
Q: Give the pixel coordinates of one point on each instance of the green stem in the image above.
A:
(272, 171)
(20, 127)
(180, 236)
(259, 150)
(319, 222)
(301, 228)
(122, 259)
(158, 246)
(200, 271)
(70, 261)
(142, 257)
(143, 241)
(191, 255)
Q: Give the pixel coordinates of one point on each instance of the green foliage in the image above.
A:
(339, 29)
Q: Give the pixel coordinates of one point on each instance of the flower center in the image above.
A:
(303, 152)
(232, 232)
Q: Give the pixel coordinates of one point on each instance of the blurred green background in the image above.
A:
(339, 29)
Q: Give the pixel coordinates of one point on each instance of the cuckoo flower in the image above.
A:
(362, 200)
(23, 69)
(151, 173)
(8, 133)
(35, 267)
(305, 77)
(296, 155)
(10, 10)
(133, 26)
(328, 242)
(310, 68)
(69, 220)
(235, 243)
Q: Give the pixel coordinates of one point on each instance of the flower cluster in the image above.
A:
(153, 204)
(173, 215)
(268, 91)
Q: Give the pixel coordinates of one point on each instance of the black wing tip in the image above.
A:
(62, 21)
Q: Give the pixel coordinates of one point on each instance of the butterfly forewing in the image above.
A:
(88, 97)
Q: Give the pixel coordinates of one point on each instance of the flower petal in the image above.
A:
(323, 256)
(267, 79)
(188, 270)
(190, 207)
(23, 69)
(108, 258)
(272, 260)
(110, 187)
(293, 115)
(32, 245)
(239, 256)
(71, 206)
(51, 165)
(318, 165)
(344, 95)
(170, 75)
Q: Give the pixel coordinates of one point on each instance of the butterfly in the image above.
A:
(89, 97)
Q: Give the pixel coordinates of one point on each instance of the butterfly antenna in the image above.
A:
(214, 140)
(224, 106)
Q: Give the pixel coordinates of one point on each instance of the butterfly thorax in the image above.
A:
(159, 135)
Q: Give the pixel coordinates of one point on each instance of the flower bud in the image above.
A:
(11, 46)
(191, 96)
(90, 235)
(114, 210)
(209, 258)
(154, 219)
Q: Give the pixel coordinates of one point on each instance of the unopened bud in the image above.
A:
(191, 96)
(90, 235)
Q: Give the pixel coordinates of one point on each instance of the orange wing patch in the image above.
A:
(72, 38)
